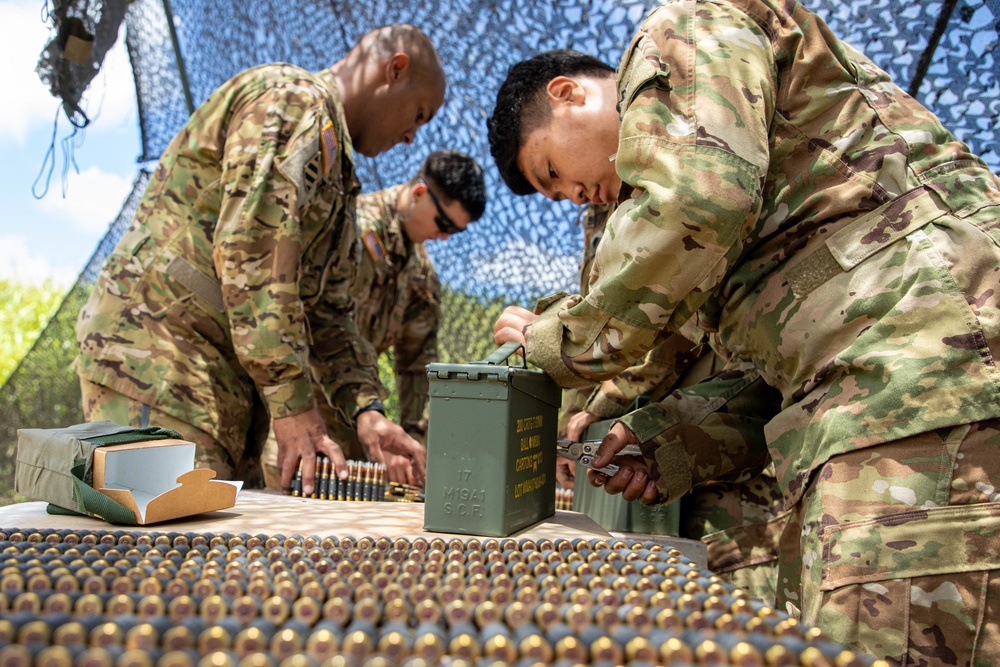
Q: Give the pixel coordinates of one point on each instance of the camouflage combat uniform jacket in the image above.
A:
(660, 368)
(783, 191)
(738, 521)
(397, 299)
(234, 276)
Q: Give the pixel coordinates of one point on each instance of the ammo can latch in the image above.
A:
(463, 372)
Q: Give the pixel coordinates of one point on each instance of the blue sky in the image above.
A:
(52, 238)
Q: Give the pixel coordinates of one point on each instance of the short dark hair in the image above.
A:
(456, 177)
(519, 109)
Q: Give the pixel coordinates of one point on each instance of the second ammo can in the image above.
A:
(614, 513)
(491, 446)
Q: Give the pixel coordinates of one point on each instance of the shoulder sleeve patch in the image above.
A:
(328, 141)
(373, 244)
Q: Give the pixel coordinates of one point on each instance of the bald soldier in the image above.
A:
(397, 294)
(843, 248)
(232, 282)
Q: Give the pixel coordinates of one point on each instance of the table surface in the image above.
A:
(258, 512)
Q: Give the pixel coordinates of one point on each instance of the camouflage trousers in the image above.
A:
(100, 402)
(895, 549)
(740, 525)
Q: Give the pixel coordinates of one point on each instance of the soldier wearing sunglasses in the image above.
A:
(397, 294)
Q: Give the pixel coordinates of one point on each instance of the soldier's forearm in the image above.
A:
(413, 390)
(710, 431)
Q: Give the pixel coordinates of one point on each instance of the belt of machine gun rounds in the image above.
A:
(366, 482)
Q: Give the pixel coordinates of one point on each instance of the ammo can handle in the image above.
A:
(502, 352)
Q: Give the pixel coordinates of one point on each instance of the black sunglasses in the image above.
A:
(444, 223)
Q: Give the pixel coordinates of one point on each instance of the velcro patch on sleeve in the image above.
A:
(302, 169)
(328, 141)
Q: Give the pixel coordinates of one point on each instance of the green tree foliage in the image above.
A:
(24, 311)
(388, 377)
(466, 334)
(39, 387)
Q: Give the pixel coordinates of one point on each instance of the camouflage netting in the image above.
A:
(84, 32)
(944, 52)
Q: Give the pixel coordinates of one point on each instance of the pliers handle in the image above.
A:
(585, 450)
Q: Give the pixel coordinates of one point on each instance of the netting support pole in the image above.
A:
(181, 68)
(947, 7)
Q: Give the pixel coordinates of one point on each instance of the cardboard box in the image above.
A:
(156, 479)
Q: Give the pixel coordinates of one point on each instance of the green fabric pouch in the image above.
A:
(55, 465)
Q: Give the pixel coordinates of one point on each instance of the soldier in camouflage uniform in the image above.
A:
(232, 283)
(396, 291)
(653, 378)
(840, 244)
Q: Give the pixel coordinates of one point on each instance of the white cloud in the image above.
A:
(19, 51)
(19, 264)
(111, 95)
(93, 199)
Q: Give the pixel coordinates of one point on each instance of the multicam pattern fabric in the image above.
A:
(655, 375)
(818, 221)
(799, 230)
(896, 548)
(398, 305)
(397, 300)
(739, 521)
(233, 278)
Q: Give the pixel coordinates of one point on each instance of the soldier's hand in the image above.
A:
(565, 472)
(632, 479)
(303, 436)
(511, 323)
(377, 434)
(398, 468)
(578, 423)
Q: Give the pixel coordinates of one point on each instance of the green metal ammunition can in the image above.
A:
(490, 446)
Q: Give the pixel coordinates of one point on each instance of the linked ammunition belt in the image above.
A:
(564, 499)
(365, 482)
(148, 599)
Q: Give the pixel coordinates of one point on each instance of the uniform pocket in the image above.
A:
(911, 583)
(644, 75)
(641, 66)
(959, 538)
(197, 282)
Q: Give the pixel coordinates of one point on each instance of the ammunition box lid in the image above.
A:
(529, 381)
